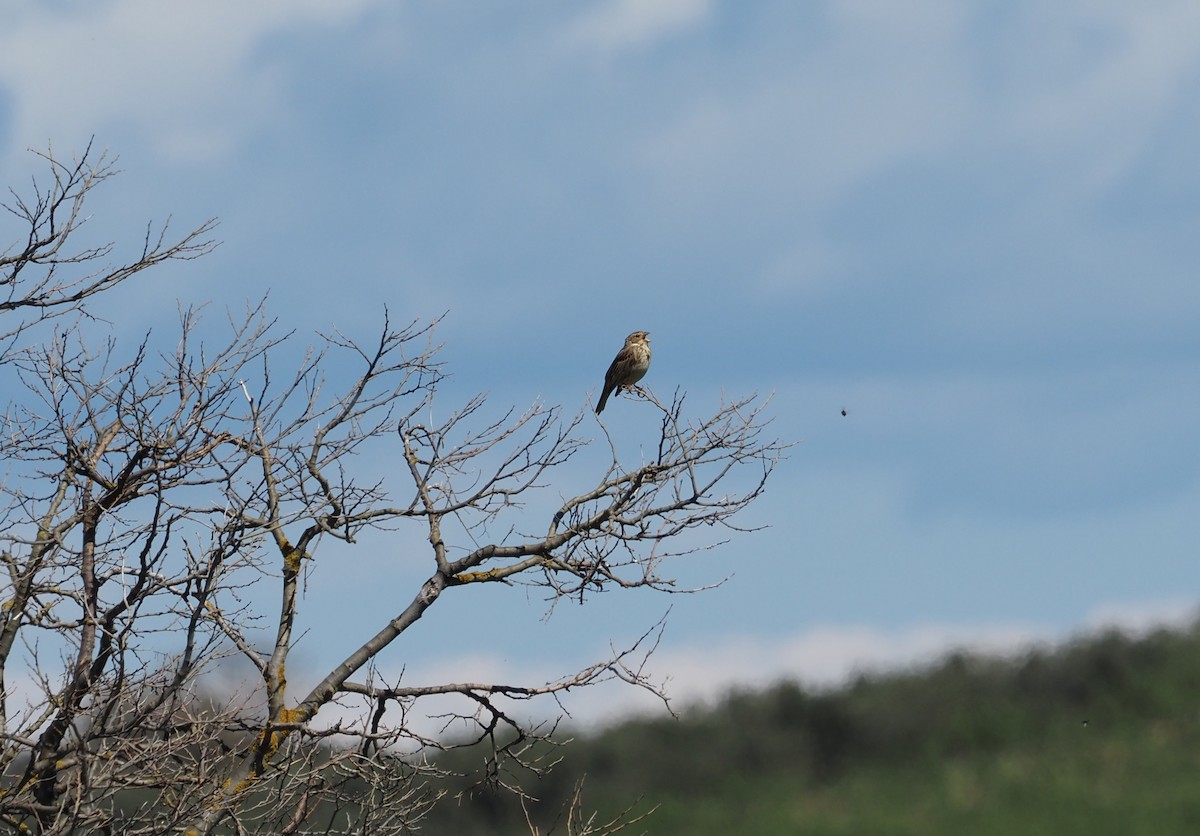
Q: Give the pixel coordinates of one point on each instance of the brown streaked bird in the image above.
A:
(628, 367)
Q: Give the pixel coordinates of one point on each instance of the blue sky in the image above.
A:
(971, 226)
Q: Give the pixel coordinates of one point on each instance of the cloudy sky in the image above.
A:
(973, 227)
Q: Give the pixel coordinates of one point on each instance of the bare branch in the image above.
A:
(160, 507)
(44, 275)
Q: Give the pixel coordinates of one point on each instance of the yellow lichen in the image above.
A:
(476, 577)
(292, 558)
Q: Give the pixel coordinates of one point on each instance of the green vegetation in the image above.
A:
(1100, 736)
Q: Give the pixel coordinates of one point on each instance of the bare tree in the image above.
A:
(154, 498)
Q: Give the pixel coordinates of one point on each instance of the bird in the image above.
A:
(628, 367)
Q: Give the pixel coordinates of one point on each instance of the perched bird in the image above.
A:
(628, 367)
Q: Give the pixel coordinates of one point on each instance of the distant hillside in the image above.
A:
(1101, 735)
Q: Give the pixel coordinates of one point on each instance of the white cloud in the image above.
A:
(931, 83)
(1141, 617)
(831, 655)
(1089, 83)
(183, 76)
(618, 24)
(814, 123)
(820, 657)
